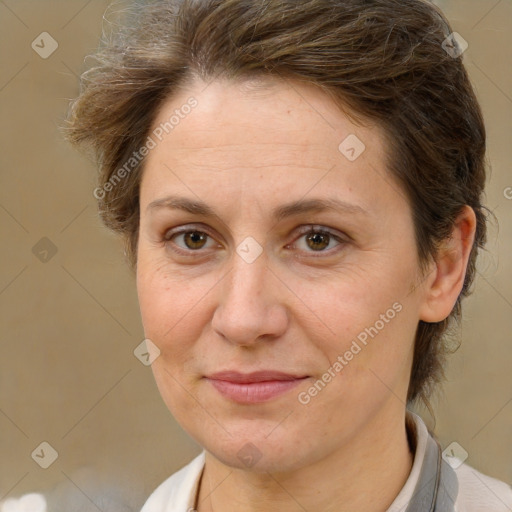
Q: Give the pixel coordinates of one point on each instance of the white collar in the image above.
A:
(178, 492)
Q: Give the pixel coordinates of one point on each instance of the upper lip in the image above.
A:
(259, 376)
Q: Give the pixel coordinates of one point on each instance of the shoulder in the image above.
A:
(481, 493)
(476, 492)
(175, 493)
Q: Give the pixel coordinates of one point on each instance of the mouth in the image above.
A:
(256, 387)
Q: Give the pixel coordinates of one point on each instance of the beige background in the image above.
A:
(68, 375)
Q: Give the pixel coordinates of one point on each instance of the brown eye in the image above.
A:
(188, 240)
(194, 239)
(318, 241)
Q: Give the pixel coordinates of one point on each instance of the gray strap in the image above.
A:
(437, 487)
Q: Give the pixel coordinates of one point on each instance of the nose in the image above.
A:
(251, 305)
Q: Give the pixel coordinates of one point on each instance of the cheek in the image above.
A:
(173, 317)
(164, 298)
(366, 334)
(155, 301)
(176, 310)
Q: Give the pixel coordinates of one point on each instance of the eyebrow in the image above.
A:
(197, 207)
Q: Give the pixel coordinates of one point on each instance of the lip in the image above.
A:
(255, 387)
(259, 376)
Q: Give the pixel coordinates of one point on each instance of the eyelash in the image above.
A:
(305, 230)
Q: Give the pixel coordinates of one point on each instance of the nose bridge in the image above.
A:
(249, 272)
(246, 284)
(249, 307)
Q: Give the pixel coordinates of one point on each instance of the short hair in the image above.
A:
(391, 62)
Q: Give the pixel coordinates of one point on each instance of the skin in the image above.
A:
(245, 150)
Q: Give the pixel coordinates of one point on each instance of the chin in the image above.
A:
(254, 452)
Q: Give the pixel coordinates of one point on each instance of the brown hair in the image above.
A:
(381, 60)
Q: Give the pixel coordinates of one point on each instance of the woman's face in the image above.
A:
(250, 288)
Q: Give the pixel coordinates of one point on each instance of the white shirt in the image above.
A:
(477, 492)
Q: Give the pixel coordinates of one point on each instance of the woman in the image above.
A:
(299, 184)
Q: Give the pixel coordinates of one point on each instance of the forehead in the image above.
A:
(259, 110)
(244, 136)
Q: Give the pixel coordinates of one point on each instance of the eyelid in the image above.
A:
(319, 228)
(169, 233)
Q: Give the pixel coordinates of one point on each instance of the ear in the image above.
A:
(444, 283)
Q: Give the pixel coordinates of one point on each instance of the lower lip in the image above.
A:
(254, 392)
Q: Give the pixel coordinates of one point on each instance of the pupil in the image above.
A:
(319, 238)
(196, 238)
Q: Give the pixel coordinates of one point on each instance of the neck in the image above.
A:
(366, 474)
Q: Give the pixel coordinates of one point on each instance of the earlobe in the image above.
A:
(443, 286)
